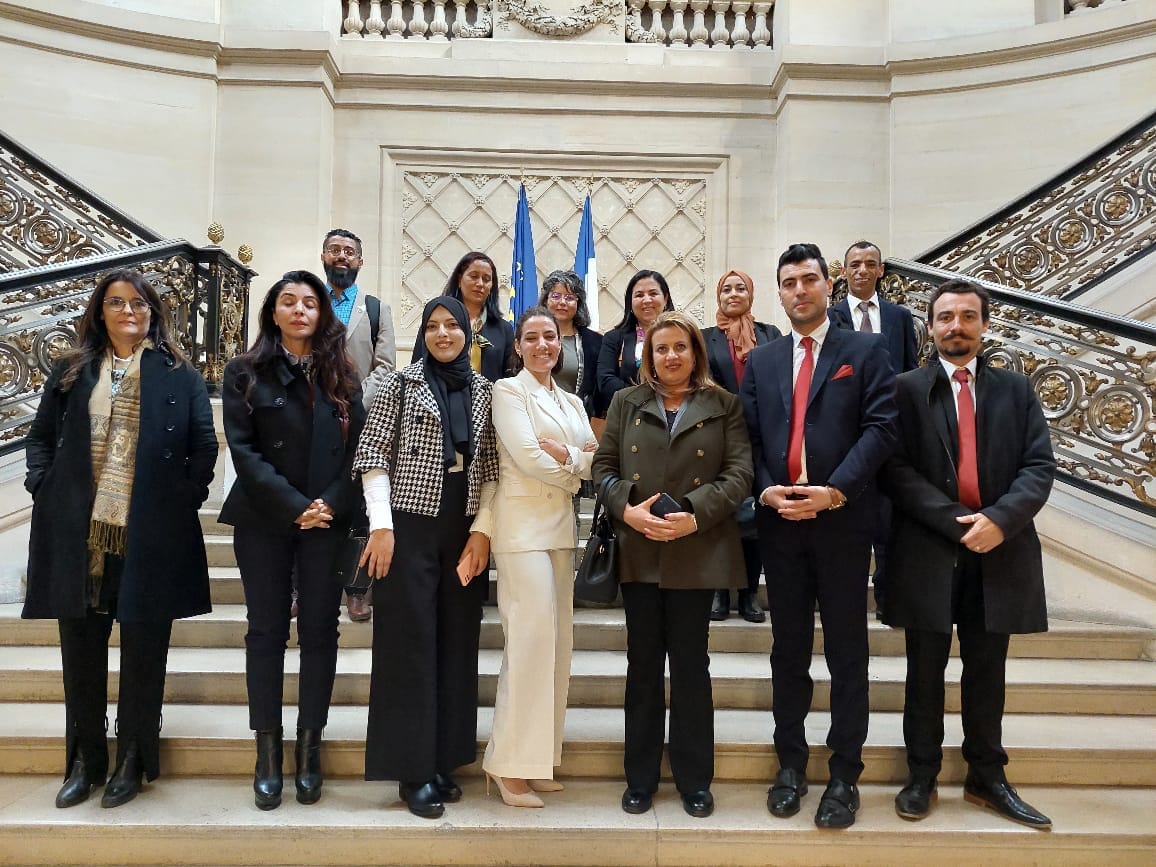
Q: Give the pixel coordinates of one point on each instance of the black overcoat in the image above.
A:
(1016, 469)
(165, 572)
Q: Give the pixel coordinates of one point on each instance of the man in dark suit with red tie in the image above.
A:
(973, 467)
(865, 310)
(820, 409)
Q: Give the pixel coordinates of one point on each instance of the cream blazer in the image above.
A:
(532, 507)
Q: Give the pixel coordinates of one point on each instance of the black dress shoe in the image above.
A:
(450, 791)
(699, 804)
(720, 606)
(422, 799)
(838, 805)
(267, 780)
(308, 779)
(749, 608)
(1002, 797)
(636, 801)
(786, 794)
(125, 783)
(915, 799)
(76, 788)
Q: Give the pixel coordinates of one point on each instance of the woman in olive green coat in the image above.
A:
(677, 434)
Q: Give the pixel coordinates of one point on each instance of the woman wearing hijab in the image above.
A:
(120, 457)
(728, 343)
(428, 459)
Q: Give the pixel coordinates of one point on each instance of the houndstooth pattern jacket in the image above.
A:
(416, 483)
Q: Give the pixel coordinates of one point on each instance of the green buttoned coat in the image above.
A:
(705, 466)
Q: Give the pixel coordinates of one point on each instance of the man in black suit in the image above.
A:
(973, 467)
(820, 409)
(865, 310)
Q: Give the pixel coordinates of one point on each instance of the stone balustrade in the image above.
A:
(431, 20)
(715, 24)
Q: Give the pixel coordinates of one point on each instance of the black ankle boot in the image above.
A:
(267, 780)
(125, 783)
(308, 777)
(77, 787)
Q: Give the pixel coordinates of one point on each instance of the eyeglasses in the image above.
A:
(138, 305)
(337, 250)
(561, 296)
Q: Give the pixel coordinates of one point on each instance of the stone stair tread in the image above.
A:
(206, 820)
(45, 720)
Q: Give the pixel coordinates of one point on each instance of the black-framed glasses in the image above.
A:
(138, 305)
(562, 296)
(337, 250)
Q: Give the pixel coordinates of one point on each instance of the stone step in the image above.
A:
(214, 740)
(740, 680)
(605, 629)
(213, 821)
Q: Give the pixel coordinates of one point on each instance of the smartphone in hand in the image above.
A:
(664, 505)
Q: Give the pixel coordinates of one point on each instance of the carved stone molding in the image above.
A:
(538, 18)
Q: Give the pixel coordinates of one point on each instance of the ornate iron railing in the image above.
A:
(47, 218)
(205, 289)
(1094, 373)
(1071, 232)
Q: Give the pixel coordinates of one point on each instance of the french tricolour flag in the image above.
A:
(584, 265)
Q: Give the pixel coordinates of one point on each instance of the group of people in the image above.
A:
(721, 453)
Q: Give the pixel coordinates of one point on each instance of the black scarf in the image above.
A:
(450, 383)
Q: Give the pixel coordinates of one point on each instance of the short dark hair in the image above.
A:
(629, 320)
(863, 245)
(573, 282)
(797, 253)
(342, 233)
(959, 286)
(453, 284)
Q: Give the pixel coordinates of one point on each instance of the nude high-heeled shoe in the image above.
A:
(512, 799)
(545, 785)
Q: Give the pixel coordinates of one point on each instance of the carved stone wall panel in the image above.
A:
(640, 222)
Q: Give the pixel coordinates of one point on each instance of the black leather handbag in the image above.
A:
(597, 577)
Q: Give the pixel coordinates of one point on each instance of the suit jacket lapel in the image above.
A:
(940, 400)
(825, 361)
(541, 397)
(357, 312)
(784, 364)
(719, 349)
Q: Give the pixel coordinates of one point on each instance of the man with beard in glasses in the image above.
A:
(369, 338)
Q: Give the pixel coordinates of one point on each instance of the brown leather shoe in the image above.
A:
(358, 608)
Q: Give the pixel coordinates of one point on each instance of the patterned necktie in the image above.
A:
(865, 325)
(799, 412)
(968, 468)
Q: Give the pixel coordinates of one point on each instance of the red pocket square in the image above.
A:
(845, 370)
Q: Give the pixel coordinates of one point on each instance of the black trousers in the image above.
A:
(268, 560)
(661, 625)
(144, 649)
(423, 695)
(752, 560)
(984, 657)
(823, 559)
(881, 506)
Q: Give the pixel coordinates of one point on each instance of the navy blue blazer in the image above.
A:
(851, 416)
(898, 331)
(616, 364)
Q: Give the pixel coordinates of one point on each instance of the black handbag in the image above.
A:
(597, 577)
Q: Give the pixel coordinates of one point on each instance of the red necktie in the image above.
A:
(968, 469)
(799, 412)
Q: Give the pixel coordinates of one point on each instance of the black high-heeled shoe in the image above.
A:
(267, 781)
(77, 787)
(126, 781)
(308, 779)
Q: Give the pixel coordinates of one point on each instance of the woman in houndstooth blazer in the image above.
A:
(429, 461)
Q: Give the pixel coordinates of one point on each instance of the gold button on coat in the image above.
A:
(634, 448)
(698, 481)
(701, 453)
(637, 477)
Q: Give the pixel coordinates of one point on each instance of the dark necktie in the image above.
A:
(799, 412)
(968, 468)
(865, 325)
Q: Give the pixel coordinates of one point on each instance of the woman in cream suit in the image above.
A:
(545, 447)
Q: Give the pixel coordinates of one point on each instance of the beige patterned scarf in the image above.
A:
(115, 426)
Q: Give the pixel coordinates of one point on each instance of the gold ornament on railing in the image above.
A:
(245, 254)
(216, 233)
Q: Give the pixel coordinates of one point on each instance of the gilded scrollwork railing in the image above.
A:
(47, 218)
(1075, 230)
(205, 289)
(1095, 375)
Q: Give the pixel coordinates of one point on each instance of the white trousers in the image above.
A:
(536, 604)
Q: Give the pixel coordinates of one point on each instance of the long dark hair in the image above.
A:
(333, 371)
(573, 282)
(454, 289)
(629, 320)
(92, 335)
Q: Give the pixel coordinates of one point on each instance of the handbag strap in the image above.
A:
(601, 496)
(397, 431)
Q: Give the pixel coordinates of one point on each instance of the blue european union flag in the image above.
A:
(523, 270)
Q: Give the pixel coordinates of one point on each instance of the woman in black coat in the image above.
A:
(293, 412)
(473, 282)
(728, 343)
(119, 458)
(564, 295)
(647, 295)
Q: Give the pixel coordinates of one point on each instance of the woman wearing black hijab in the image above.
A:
(429, 462)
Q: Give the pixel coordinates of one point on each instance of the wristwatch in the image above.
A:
(838, 501)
